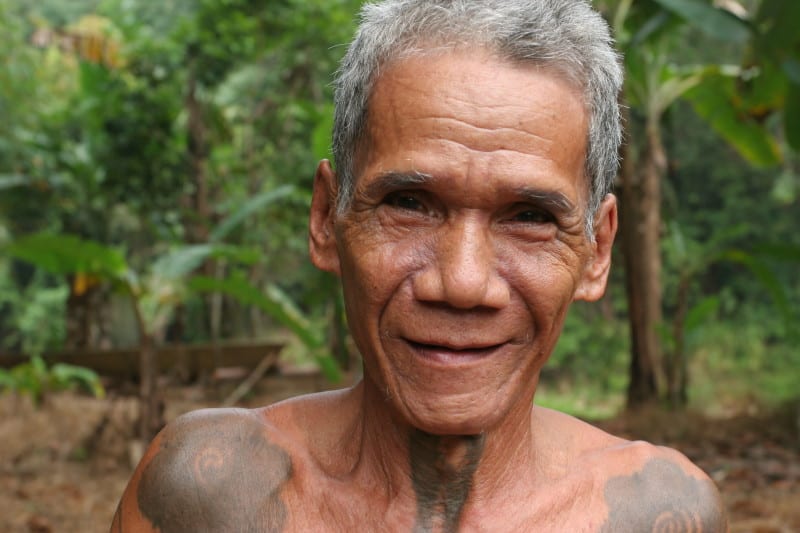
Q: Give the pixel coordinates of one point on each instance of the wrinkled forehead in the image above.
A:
(442, 54)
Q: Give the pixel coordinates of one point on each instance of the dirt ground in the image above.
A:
(64, 465)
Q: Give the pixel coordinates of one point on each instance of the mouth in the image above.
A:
(446, 353)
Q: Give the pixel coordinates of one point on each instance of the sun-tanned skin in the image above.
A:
(459, 257)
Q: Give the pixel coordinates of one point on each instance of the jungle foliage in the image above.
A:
(164, 151)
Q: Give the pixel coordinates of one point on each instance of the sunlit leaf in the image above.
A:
(713, 100)
(321, 135)
(69, 254)
(257, 203)
(275, 303)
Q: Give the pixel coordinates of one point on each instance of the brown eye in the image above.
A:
(406, 201)
(533, 216)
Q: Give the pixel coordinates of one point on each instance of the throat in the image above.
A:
(442, 475)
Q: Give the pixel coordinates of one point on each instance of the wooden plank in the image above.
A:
(186, 360)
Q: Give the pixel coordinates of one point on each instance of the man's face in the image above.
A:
(465, 243)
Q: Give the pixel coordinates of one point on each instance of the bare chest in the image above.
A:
(331, 507)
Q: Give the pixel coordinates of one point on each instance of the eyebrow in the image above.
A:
(397, 180)
(553, 200)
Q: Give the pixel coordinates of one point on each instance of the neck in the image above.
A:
(442, 475)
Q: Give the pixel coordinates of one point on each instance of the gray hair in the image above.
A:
(566, 36)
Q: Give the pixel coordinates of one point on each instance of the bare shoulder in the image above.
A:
(654, 488)
(644, 487)
(206, 470)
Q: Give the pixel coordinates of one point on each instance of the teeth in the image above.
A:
(454, 349)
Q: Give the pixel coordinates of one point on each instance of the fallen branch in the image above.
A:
(249, 382)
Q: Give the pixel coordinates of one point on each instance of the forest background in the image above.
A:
(156, 160)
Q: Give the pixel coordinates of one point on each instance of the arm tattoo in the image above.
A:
(215, 472)
(661, 498)
(442, 483)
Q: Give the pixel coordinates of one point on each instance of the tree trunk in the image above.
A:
(151, 420)
(150, 404)
(675, 364)
(197, 211)
(641, 225)
(197, 147)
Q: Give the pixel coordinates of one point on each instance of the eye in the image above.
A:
(533, 216)
(404, 200)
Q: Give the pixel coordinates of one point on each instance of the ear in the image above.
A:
(595, 273)
(321, 234)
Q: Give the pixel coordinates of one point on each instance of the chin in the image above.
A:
(444, 416)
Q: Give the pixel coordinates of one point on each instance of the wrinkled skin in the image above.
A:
(464, 245)
(459, 256)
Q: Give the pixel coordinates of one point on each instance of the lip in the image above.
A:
(447, 353)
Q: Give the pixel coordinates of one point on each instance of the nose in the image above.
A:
(462, 271)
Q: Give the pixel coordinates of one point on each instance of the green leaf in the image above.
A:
(65, 375)
(183, 260)
(9, 181)
(673, 88)
(7, 380)
(713, 99)
(278, 305)
(768, 280)
(778, 251)
(717, 23)
(321, 136)
(777, 20)
(791, 67)
(652, 26)
(791, 115)
(701, 312)
(179, 262)
(329, 367)
(255, 204)
(68, 254)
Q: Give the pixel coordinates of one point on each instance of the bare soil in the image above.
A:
(64, 464)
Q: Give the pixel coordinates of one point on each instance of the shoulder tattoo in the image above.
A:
(662, 498)
(215, 472)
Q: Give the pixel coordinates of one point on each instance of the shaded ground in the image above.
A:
(63, 466)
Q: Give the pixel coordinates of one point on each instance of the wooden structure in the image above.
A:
(185, 361)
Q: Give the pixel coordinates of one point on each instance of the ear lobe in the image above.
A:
(321, 234)
(595, 274)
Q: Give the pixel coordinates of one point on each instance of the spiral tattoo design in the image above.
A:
(215, 472)
(662, 498)
(208, 465)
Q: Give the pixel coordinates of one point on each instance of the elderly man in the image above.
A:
(475, 144)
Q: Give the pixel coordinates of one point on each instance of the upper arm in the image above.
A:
(666, 492)
(211, 470)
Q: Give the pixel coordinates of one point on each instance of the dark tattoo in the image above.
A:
(215, 471)
(661, 498)
(441, 474)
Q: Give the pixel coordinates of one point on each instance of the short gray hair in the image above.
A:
(565, 36)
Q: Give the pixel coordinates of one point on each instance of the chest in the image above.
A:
(330, 507)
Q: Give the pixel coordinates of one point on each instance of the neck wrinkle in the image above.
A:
(387, 445)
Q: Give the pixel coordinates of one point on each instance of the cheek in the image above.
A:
(375, 272)
(545, 280)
